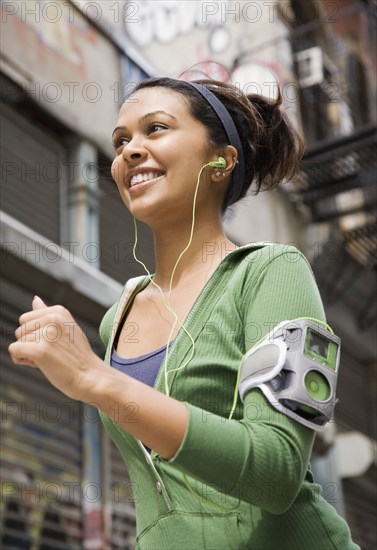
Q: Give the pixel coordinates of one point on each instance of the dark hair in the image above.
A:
(272, 146)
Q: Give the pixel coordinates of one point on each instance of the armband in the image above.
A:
(296, 367)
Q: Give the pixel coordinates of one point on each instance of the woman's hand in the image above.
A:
(49, 339)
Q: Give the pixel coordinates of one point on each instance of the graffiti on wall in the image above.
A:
(49, 29)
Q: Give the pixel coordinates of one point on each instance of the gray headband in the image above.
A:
(233, 137)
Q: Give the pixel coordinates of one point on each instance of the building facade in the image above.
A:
(66, 236)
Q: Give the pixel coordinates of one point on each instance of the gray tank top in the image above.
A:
(144, 367)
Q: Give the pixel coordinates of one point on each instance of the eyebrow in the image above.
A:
(148, 115)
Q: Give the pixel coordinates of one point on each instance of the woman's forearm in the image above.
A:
(157, 420)
(70, 364)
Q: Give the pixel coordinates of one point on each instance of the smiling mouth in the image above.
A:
(145, 177)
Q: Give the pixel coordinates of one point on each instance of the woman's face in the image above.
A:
(160, 149)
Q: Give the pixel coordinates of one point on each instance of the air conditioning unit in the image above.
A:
(310, 67)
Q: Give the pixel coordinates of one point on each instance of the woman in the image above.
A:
(207, 472)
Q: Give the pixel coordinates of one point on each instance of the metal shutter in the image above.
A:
(31, 175)
(41, 450)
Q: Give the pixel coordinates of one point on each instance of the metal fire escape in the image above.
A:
(335, 65)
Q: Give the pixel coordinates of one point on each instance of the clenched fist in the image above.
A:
(49, 339)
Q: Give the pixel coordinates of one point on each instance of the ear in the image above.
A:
(231, 157)
(230, 154)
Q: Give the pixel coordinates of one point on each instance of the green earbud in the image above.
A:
(220, 163)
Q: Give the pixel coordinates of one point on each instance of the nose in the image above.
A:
(134, 150)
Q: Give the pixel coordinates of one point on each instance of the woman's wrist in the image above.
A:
(102, 385)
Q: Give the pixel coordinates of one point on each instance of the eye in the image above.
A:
(155, 127)
(120, 142)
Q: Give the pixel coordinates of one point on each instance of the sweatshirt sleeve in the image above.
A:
(263, 457)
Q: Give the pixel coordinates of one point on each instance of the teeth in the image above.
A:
(146, 176)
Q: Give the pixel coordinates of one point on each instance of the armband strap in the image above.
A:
(296, 367)
(262, 364)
